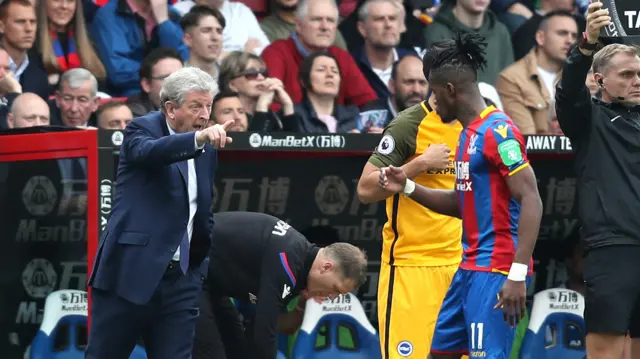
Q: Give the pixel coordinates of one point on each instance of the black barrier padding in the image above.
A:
(43, 231)
(323, 194)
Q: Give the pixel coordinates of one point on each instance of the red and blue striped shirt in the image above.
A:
(490, 149)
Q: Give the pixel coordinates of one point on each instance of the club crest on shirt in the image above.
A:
(471, 149)
(252, 298)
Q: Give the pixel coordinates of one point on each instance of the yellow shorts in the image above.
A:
(409, 300)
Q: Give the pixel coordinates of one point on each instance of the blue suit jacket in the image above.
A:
(151, 209)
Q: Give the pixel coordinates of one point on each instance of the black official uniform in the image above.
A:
(606, 142)
(257, 258)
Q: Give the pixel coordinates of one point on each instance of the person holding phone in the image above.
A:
(605, 136)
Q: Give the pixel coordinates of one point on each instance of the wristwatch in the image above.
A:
(585, 44)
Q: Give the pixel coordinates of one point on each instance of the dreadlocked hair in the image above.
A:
(432, 53)
(466, 52)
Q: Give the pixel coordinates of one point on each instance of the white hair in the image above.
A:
(363, 12)
(186, 80)
(77, 77)
(303, 8)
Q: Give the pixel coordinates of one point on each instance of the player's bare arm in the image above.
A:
(435, 157)
(394, 179)
(524, 189)
(513, 297)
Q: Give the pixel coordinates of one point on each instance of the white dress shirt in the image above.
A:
(18, 70)
(192, 189)
(385, 74)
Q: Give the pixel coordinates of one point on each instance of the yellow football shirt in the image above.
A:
(413, 234)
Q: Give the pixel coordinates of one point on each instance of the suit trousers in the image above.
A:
(166, 324)
(220, 333)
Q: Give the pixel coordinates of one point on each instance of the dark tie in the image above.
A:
(184, 243)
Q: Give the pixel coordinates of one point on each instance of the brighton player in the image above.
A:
(421, 249)
(496, 196)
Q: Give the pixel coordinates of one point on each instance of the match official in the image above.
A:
(260, 259)
(605, 136)
(151, 260)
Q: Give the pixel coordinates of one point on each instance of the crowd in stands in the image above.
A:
(292, 65)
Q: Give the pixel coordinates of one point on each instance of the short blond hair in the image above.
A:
(350, 260)
(602, 58)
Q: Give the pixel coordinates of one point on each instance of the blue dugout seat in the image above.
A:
(556, 326)
(63, 331)
(336, 329)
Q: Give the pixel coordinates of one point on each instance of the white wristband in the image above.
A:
(518, 272)
(409, 187)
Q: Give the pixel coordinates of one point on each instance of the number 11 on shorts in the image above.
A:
(477, 332)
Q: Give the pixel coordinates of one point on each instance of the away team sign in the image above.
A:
(548, 144)
(625, 16)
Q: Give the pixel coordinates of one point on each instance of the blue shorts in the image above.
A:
(468, 324)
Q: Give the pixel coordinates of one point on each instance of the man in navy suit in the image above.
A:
(152, 257)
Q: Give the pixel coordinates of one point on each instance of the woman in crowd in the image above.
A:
(246, 74)
(319, 112)
(62, 40)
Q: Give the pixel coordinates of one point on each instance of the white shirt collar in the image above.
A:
(171, 131)
(18, 70)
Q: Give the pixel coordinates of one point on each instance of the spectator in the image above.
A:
(411, 28)
(156, 67)
(319, 110)
(203, 28)
(28, 110)
(10, 88)
(315, 31)
(524, 38)
(474, 16)
(114, 115)
(379, 26)
(591, 83)
(124, 31)
(63, 42)
(242, 31)
(18, 20)
(512, 13)
(228, 107)
(246, 74)
(282, 23)
(527, 88)
(76, 99)
(408, 88)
